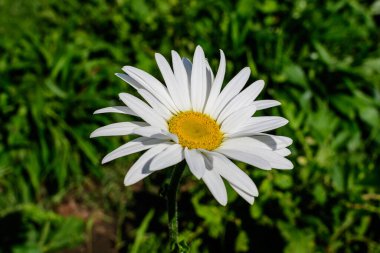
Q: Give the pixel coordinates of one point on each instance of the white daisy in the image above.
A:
(193, 118)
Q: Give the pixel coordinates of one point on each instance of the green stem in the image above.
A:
(172, 205)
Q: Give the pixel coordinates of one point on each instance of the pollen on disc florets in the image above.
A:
(196, 130)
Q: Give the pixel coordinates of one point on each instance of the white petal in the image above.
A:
(273, 141)
(265, 104)
(126, 78)
(249, 198)
(155, 132)
(237, 119)
(195, 161)
(217, 85)
(231, 90)
(170, 156)
(117, 129)
(116, 109)
(230, 143)
(276, 161)
(182, 78)
(246, 157)
(209, 72)
(249, 146)
(283, 152)
(173, 85)
(151, 84)
(233, 174)
(134, 146)
(155, 104)
(241, 100)
(216, 186)
(209, 78)
(140, 168)
(253, 91)
(198, 80)
(143, 110)
(259, 124)
(188, 66)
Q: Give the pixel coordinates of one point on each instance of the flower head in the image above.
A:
(193, 118)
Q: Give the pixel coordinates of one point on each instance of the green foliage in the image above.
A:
(321, 59)
(137, 245)
(28, 228)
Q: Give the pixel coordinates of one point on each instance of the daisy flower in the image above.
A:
(192, 118)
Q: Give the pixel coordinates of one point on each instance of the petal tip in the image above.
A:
(94, 133)
(158, 56)
(261, 82)
(125, 68)
(199, 50)
(247, 70)
(127, 181)
(223, 202)
(123, 95)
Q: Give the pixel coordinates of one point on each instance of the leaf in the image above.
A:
(242, 242)
(320, 194)
(212, 215)
(141, 232)
(370, 115)
(298, 241)
(295, 74)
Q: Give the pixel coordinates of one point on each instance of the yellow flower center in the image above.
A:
(196, 130)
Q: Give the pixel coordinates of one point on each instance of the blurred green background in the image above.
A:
(321, 59)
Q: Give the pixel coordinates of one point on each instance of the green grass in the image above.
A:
(321, 59)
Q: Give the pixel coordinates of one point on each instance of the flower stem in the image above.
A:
(172, 205)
